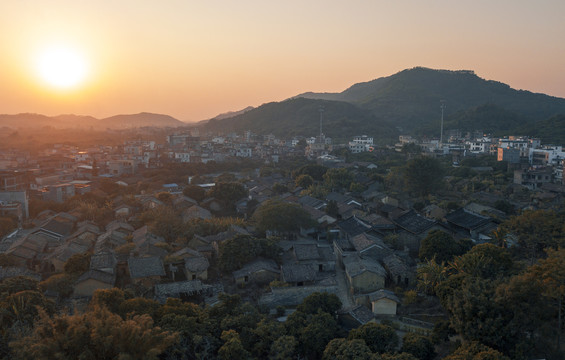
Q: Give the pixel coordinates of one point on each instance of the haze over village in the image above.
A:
(294, 181)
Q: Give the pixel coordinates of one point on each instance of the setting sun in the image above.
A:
(62, 68)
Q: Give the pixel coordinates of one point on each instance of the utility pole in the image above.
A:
(321, 121)
(442, 105)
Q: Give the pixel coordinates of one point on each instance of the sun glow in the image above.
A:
(62, 67)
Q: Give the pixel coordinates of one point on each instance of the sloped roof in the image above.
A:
(98, 275)
(413, 222)
(306, 252)
(355, 266)
(363, 241)
(466, 219)
(256, 265)
(395, 265)
(196, 264)
(61, 228)
(145, 267)
(175, 289)
(65, 251)
(299, 272)
(12, 271)
(383, 294)
(353, 226)
(362, 314)
(103, 260)
(310, 201)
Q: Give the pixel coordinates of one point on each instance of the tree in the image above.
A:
(338, 178)
(96, 334)
(320, 301)
(332, 209)
(551, 273)
(411, 148)
(228, 193)
(164, 222)
(484, 260)
(320, 329)
(441, 246)
(77, 264)
(108, 298)
(238, 251)
(195, 192)
(63, 284)
(264, 335)
(279, 188)
(315, 171)
(430, 275)
(379, 338)
(165, 197)
(535, 231)
(16, 284)
(342, 349)
(304, 181)
(281, 217)
(232, 348)
(225, 178)
(424, 175)
(397, 356)
(476, 351)
(283, 348)
(419, 346)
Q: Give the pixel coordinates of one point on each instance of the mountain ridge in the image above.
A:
(122, 121)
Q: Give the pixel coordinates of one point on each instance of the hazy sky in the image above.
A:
(196, 59)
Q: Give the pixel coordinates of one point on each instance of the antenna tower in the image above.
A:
(442, 106)
(321, 121)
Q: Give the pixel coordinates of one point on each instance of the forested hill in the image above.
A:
(300, 116)
(411, 99)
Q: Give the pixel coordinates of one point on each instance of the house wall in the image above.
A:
(259, 277)
(384, 307)
(202, 275)
(366, 282)
(87, 287)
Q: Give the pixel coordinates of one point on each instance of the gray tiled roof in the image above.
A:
(413, 222)
(175, 289)
(383, 294)
(362, 314)
(98, 275)
(196, 264)
(103, 260)
(256, 265)
(145, 267)
(363, 241)
(299, 272)
(306, 252)
(466, 219)
(355, 266)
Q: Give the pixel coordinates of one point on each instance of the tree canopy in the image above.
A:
(281, 217)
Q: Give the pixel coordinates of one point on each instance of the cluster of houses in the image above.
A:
(360, 252)
(371, 241)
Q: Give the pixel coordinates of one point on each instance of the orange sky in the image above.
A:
(196, 59)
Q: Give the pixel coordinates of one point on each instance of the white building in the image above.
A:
(182, 157)
(361, 144)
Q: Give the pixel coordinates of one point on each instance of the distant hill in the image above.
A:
(411, 98)
(230, 114)
(301, 117)
(87, 122)
(141, 120)
(550, 131)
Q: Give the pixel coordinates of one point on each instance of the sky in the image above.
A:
(196, 59)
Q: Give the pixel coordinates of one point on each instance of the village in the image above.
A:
(161, 220)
